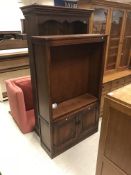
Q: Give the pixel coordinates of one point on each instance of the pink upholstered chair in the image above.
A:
(19, 91)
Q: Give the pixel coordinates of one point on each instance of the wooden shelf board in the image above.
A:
(113, 47)
(72, 105)
(111, 64)
(114, 38)
(113, 55)
(116, 75)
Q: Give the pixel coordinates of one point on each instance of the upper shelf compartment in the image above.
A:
(49, 20)
(67, 69)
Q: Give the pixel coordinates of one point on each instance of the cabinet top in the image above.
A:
(105, 3)
(55, 40)
(42, 9)
(122, 95)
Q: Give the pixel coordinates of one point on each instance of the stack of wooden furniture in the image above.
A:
(114, 156)
(113, 19)
(14, 60)
(66, 74)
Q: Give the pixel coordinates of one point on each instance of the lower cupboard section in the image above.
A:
(69, 130)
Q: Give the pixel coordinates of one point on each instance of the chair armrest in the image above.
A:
(16, 100)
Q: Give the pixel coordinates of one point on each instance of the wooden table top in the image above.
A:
(122, 95)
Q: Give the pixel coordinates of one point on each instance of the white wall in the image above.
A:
(43, 2)
(10, 13)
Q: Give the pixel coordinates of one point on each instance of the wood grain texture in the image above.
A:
(115, 143)
(13, 44)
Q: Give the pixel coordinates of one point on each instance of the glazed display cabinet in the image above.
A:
(113, 19)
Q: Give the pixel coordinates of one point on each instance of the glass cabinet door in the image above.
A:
(128, 24)
(99, 22)
(115, 32)
(125, 55)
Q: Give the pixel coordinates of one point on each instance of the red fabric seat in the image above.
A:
(19, 91)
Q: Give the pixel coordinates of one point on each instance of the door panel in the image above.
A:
(125, 55)
(64, 132)
(115, 33)
(88, 119)
(100, 19)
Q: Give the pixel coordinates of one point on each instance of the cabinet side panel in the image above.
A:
(108, 169)
(45, 135)
(64, 133)
(42, 80)
(118, 145)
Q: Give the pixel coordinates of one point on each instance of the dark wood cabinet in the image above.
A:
(72, 82)
(66, 72)
(48, 20)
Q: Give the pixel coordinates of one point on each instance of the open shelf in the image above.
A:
(73, 104)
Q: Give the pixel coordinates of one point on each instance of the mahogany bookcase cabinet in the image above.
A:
(49, 20)
(68, 72)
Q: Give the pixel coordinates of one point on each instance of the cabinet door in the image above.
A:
(64, 132)
(99, 21)
(125, 55)
(88, 119)
(115, 33)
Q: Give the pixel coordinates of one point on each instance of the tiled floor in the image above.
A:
(22, 154)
